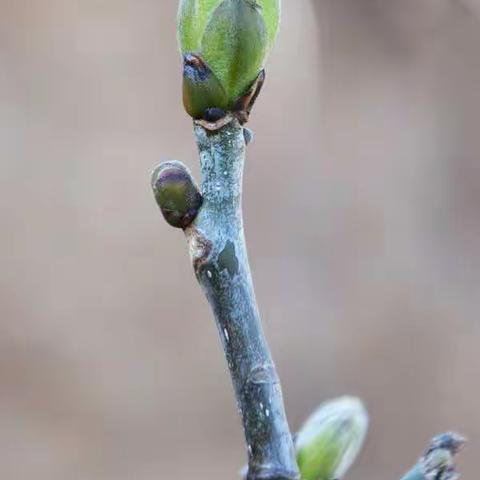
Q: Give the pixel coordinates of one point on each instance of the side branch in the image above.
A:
(437, 463)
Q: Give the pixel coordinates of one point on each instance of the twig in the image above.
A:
(212, 222)
(437, 463)
(219, 257)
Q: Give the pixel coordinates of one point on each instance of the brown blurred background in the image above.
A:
(362, 196)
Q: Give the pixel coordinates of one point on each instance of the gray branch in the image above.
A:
(212, 222)
(437, 463)
(219, 256)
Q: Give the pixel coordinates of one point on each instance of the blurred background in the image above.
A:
(362, 196)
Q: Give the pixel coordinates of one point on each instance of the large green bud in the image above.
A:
(331, 439)
(224, 45)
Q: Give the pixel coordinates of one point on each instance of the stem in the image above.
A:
(218, 252)
(415, 473)
(219, 256)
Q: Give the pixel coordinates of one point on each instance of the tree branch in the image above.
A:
(437, 463)
(212, 222)
(219, 257)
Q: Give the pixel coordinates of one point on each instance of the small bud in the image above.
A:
(224, 44)
(176, 193)
(202, 91)
(450, 441)
(248, 136)
(331, 439)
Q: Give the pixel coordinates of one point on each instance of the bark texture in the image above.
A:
(219, 256)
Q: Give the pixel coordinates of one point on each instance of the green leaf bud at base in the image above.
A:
(202, 91)
(176, 193)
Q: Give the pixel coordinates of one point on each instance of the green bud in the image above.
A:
(331, 439)
(225, 44)
(202, 91)
(176, 193)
